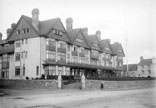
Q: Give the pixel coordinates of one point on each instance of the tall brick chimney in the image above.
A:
(69, 24)
(98, 34)
(35, 18)
(8, 31)
(141, 58)
(0, 36)
(85, 31)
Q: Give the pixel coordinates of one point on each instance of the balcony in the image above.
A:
(63, 50)
(5, 65)
(93, 56)
(74, 53)
(51, 48)
(50, 60)
(82, 54)
(7, 49)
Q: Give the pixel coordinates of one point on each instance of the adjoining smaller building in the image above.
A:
(145, 68)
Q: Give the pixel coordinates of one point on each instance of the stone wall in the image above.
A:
(96, 84)
(28, 84)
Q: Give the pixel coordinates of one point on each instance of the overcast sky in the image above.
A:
(116, 19)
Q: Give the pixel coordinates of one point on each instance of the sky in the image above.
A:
(118, 20)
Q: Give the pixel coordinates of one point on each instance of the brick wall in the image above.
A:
(95, 84)
(28, 84)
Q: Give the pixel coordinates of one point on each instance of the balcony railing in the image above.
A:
(63, 50)
(94, 56)
(82, 54)
(51, 48)
(7, 49)
(50, 60)
(74, 53)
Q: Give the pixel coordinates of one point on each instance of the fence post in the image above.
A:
(59, 81)
(83, 81)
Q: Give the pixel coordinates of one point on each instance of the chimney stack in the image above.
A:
(98, 34)
(141, 58)
(69, 24)
(8, 31)
(85, 31)
(13, 26)
(35, 18)
(0, 36)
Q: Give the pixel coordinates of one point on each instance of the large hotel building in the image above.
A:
(34, 48)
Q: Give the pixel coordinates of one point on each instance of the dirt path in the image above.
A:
(139, 98)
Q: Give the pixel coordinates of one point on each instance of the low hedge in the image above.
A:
(122, 78)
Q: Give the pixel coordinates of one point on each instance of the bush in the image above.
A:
(42, 76)
(27, 78)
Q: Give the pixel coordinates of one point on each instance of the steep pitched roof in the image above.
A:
(45, 27)
(145, 62)
(131, 67)
(93, 39)
(105, 45)
(73, 33)
(76, 33)
(117, 49)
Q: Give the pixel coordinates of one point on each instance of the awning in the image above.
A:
(78, 65)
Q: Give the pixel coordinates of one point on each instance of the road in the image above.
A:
(138, 98)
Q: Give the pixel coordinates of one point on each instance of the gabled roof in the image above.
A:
(93, 39)
(145, 62)
(45, 27)
(117, 49)
(131, 67)
(105, 46)
(74, 33)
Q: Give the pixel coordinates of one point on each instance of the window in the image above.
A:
(68, 57)
(22, 41)
(60, 70)
(149, 71)
(61, 45)
(67, 71)
(50, 70)
(17, 71)
(23, 31)
(107, 48)
(5, 73)
(23, 70)
(50, 55)
(82, 50)
(26, 41)
(61, 56)
(51, 42)
(18, 44)
(82, 60)
(18, 32)
(68, 47)
(27, 30)
(75, 59)
(26, 54)
(57, 32)
(75, 49)
(37, 70)
(17, 56)
(79, 40)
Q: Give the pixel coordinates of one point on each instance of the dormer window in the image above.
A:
(119, 51)
(79, 40)
(18, 32)
(57, 32)
(107, 48)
